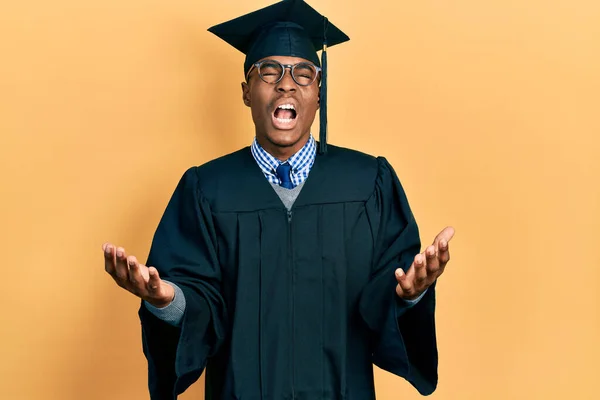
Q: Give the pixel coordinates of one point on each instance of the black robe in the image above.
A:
(289, 305)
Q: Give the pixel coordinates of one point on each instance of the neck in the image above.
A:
(282, 153)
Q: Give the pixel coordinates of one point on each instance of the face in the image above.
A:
(280, 130)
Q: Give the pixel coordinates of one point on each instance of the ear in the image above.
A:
(319, 100)
(246, 94)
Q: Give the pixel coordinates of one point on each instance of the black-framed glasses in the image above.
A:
(272, 71)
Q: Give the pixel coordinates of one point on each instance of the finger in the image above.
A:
(446, 234)
(135, 276)
(400, 291)
(418, 261)
(122, 271)
(433, 264)
(109, 258)
(144, 272)
(405, 282)
(429, 265)
(399, 276)
(443, 253)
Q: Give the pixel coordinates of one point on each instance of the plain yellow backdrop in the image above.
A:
(488, 110)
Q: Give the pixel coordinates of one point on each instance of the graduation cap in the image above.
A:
(289, 28)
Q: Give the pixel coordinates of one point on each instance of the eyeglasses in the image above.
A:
(271, 71)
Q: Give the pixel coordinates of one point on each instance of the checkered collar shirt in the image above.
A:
(301, 162)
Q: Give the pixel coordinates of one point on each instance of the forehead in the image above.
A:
(286, 59)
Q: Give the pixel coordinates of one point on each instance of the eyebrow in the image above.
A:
(304, 65)
(270, 63)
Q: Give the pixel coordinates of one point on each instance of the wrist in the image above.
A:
(414, 298)
(411, 298)
(163, 302)
(159, 303)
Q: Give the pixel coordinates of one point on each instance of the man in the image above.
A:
(288, 272)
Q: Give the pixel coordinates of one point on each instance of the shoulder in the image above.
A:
(224, 165)
(345, 174)
(352, 156)
(233, 182)
(219, 171)
(361, 166)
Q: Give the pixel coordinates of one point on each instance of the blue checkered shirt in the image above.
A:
(301, 162)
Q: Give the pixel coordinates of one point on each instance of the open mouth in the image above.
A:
(285, 113)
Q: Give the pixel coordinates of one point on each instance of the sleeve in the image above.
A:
(173, 313)
(404, 336)
(184, 252)
(409, 303)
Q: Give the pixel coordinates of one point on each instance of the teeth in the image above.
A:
(284, 120)
(287, 107)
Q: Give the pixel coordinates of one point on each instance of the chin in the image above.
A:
(283, 138)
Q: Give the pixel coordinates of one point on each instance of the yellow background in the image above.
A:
(489, 111)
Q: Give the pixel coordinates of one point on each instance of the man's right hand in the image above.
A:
(136, 278)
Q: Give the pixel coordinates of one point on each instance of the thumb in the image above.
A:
(158, 288)
(154, 281)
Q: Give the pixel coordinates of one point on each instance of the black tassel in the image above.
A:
(323, 95)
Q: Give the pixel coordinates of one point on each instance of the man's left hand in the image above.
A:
(426, 267)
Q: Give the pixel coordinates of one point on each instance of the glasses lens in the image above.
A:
(270, 71)
(305, 74)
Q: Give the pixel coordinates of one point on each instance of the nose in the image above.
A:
(286, 84)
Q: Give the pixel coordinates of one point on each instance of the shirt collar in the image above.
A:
(301, 160)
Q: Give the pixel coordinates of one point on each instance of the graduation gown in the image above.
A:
(294, 304)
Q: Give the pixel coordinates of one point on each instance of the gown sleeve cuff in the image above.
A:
(172, 313)
(403, 304)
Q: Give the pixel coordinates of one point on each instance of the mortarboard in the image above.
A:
(287, 28)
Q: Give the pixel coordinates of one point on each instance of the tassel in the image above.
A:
(323, 95)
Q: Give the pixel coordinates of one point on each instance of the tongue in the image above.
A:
(283, 114)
